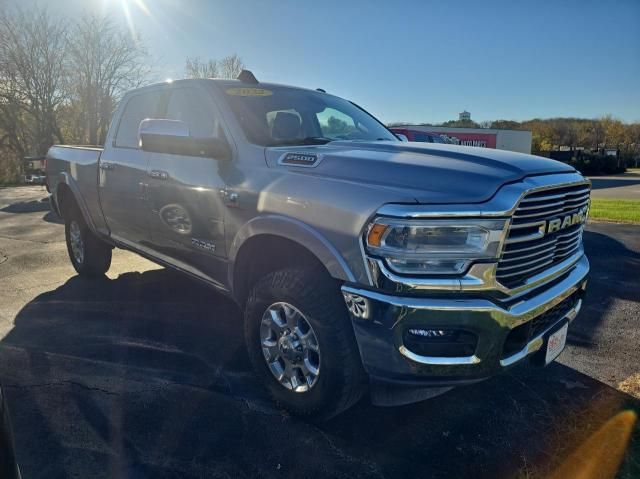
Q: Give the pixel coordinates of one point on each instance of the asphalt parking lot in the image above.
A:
(143, 374)
(625, 186)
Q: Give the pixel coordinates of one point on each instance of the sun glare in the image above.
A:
(126, 6)
(142, 6)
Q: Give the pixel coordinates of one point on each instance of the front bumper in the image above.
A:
(504, 330)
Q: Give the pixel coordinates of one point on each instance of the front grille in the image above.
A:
(541, 323)
(528, 251)
(520, 336)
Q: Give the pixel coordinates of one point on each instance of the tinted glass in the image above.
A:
(276, 115)
(139, 107)
(192, 107)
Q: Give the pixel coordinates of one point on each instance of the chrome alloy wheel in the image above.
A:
(290, 347)
(75, 238)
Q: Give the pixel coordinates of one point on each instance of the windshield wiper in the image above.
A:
(309, 140)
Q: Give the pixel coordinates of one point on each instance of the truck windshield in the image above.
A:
(275, 116)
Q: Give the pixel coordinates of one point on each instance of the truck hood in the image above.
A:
(430, 173)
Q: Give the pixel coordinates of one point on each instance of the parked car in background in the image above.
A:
(360, 261)
(501, 139)
(35, 179)
(420, 136)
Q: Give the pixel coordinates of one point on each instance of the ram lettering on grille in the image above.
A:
(546, 229)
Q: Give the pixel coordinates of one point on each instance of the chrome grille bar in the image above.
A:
(544, 252)
(554, 197)
(528, 251)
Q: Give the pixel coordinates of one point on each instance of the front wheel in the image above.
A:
(301, 343)
(90, 256)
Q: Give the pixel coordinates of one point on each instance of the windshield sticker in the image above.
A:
(248, 92)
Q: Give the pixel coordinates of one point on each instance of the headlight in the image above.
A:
(434, 246)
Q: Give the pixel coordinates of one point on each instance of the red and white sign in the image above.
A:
(484, 140)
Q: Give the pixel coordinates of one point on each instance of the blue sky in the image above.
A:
(411, 60)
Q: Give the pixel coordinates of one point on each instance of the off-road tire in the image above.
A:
(341, 380)
(96, 257)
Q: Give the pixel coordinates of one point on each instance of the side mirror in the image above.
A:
(402, 137)
(172, 136)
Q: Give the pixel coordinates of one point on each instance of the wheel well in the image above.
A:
(265, 253)
(65, 199)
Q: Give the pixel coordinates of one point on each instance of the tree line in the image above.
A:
(61, 79)
(569, 133)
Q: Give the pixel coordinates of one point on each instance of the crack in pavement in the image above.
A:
(68, 382)
(30, 240)
(62, 383)
(251, 404)
(372, 467)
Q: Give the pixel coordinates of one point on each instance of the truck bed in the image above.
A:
(77, 166)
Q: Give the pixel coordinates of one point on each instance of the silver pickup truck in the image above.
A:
(361, 262)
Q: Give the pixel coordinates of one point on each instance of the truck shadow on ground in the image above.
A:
(146, 376)
(31, 206)
(613, 276)
(34, 206)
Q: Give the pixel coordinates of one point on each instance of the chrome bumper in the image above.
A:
(536, 343)
(380, 321)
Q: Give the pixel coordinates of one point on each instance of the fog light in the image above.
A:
(446, 343)
(358, 306)
(430, 333)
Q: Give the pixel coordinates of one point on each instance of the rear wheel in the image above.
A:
(90, 256)
(301, 343)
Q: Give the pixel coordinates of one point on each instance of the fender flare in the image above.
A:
(293, 230)
(67, 179)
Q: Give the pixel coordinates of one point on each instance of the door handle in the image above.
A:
(230, 198)
(143, 190)
(105, 165)
(159, 175)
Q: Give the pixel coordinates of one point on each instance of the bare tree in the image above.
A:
(228, 67)
(197, 68)
(106, 62)
(231, 66)
(32, 73)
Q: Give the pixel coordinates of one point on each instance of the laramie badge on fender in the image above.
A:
(202, 244)
(561, 223)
